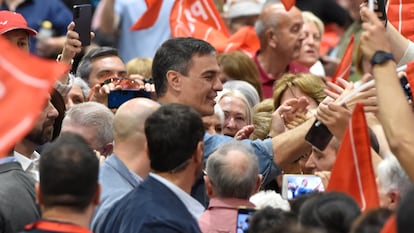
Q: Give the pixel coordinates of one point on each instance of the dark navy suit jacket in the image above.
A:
(151, 207)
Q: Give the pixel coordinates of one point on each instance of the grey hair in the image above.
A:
(92, 114)
(237, 94)
(230, 181)
(83, 85)
(392, 176)
(218, 111)
(247, 89)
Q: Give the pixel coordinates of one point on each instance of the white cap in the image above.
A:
(244, 8)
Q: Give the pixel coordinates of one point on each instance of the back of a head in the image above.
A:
(141, 66)
(249, 92)
(262, 116)
(233, 170)
(173, 133)
(270, 220)
(85, 65)
(405, 213)
(176, 54)
(237, 65)
(371, 221)
(331, 211)
(130, 118)
(92, 115)
(68, 173)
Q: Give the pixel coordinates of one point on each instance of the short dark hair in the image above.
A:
(85, 65)
(270, 220)
(405, 212)
(176, 54)
(173, 133)
(332, 211)
(68, 172)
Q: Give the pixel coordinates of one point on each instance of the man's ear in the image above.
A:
(39, 198)
(108, 149)
(394, 198)
(199, 156)
(174, 80)
(272, 38)
(97, 195)
(209, 187)
(258, 183)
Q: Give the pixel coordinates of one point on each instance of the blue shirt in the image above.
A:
(37, 11)
(116, 181)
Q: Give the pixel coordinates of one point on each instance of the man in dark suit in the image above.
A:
(162, 203)
(17, 196)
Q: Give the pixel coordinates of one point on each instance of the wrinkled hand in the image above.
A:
(100, 93)
(244, 133)
(325, 176)
(289, 114)
(334, 116)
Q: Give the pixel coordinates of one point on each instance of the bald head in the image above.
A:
(130, 117)
(280, 30)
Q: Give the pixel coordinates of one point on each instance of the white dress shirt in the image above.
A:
(29, 165)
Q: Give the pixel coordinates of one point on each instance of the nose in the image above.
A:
(52, 112)
(230, 123)
(309, 163)
(217, 85)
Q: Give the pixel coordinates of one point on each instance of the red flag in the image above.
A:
(25, 84)
(200, 19)
(344, 68)
(288, 4)
(150, 16)
(352, 172)
(390, 225)
(410, 76)
(400, 15)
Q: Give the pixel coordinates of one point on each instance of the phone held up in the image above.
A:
(296, 185)
(82, 16)
(117, 97)
(243, 217)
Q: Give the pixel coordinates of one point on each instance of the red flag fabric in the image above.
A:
(344, 68)
(25, 84)
(149, 17)
(200, 19)
(288, 4)
(400, 15)
(353, 172)
(410, 76)
(390, 225)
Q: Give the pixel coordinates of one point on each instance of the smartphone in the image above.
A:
(118, 97)
(381, 9)
(82, 16)
(296, 185)
(319, 135)
(243, 217)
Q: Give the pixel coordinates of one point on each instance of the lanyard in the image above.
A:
(57, 227)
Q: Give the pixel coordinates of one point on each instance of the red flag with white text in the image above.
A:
(25, 84)
(353, 172)
(344, 68)
(400, 15)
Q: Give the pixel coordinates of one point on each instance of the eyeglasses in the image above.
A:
(125, 83)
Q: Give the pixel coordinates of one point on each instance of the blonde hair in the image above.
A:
(309, 84)
(309, 17)
(262, 117)
(141, 66)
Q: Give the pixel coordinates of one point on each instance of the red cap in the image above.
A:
(11, 21)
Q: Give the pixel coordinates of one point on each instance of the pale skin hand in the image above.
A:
(325, 176)
(334, 116)
(244, 133)
(288, 115)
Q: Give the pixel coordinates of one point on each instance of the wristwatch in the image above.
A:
(380, 57)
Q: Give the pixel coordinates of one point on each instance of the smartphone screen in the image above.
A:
(118, 97)
(243, 217)
(82, 16)
(296, 185)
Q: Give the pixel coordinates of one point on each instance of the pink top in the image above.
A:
(221, 215)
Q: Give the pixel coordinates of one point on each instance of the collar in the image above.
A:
(24, 161)
(193, 206)
(7, 160)
(55, 226)
(117, 164)
(229, 203)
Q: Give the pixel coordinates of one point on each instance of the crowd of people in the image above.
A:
(207, 134)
